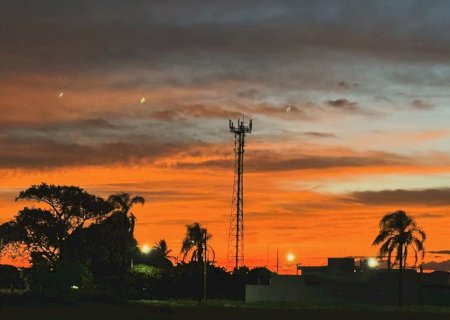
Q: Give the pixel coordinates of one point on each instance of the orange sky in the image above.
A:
(311, 224)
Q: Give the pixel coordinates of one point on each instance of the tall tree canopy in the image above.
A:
(105, 248)
(40, 232)
(194, 242)
(398, 232)
(123, 202)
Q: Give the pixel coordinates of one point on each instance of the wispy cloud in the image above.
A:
(431, 197)
(421, 105)
(316, 134)
(437, 266)
(439, 251)
(343, 104)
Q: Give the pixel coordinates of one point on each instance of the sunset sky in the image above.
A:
(349, 101)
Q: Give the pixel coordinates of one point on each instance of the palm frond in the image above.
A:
(137, 199)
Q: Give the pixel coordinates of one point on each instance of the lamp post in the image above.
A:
(290, 257)
(204, 265)
(144, 250)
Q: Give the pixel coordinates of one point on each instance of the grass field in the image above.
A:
(218, 310)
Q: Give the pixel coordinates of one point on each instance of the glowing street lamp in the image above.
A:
(372, 262)
(146, 248)
(290, 257)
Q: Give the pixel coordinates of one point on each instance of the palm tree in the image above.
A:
(195, 243)
(123, 202)
(398, 232)
(162, 252)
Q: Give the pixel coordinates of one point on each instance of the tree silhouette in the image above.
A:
(194, 243)
(105, 247)
(162, 251)
(398, 232)
(123, 202)
(40, 233)
(158, 257)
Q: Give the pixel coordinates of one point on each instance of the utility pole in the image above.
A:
(277, 260)
(205, 265)
(236, 230)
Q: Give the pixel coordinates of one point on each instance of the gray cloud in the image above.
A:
(316, 134)
(262, 161)
(437, 266)
(346, 85)
(431, 197)
(343, 104)
(53, 35)
(421, 105)
(63, 125)
(440, 252)
(45, 153)
(192, 111)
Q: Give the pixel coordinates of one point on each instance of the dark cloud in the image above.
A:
(316, 134)
(440, 252)
(192, 111)
(343, 104)
(45, 153)
(265, 161)
(344, 85)
(437, 266)
(421, 105)
(77, 124)
(53, 35)
(430, 197)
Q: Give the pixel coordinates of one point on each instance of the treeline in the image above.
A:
(81, 246)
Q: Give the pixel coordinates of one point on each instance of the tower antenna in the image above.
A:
(236, 231)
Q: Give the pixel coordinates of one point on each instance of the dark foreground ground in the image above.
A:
(218, 310)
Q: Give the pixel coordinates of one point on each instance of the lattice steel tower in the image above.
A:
(236, 231)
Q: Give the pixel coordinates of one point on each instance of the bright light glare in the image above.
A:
(74, 287)
(290, 257)
(146, 248)
(372, 262)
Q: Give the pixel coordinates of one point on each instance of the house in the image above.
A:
(342, 281)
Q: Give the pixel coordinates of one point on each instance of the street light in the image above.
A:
(146, 248)
(372, 262)
(290, 257)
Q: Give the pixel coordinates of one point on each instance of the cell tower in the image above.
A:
(236, 231)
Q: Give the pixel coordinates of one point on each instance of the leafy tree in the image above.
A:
(40, 233)
(194, 243)
(146, 272)
(105, 247)
(398, 232)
